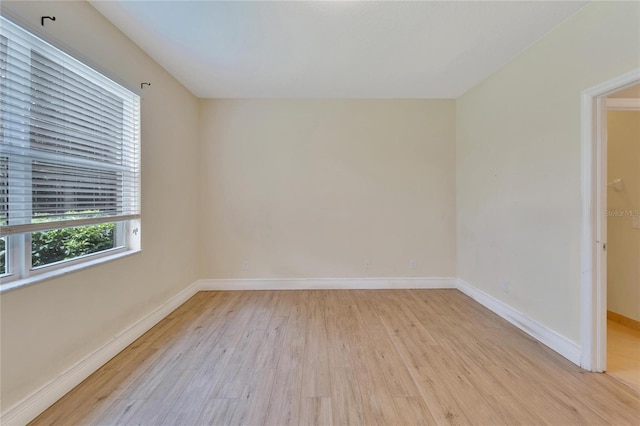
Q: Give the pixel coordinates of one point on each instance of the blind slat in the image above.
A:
(70, 139)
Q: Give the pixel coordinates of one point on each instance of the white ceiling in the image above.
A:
(333, 49)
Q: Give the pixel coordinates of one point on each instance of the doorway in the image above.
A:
(623, 234)
(597, 215)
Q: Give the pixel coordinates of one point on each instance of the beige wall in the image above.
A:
(623, 241)
(312, 188)
(519, 164)
(51, 325)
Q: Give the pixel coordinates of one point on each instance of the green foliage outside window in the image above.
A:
(69, 243)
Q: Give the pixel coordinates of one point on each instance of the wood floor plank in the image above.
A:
(315, 375)
(272, 343)
(341, 328)
(390, 364)
(217, 412)
(121, 411)
(413, 411)
(356, 357)
(284, 302)
(194, 398)
(439, 398)
(315, 411)
(254, 401)
(284, 403)
(377, 401)
(240, 367)
(157, 407)
(346, 400)
(298, 318)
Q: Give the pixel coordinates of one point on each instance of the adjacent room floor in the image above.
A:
(623, 353)
(394, 357)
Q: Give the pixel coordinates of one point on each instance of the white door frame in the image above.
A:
(594, 224)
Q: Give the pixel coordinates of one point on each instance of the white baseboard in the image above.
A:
(31, 406)
(326, 283)
(540, 332)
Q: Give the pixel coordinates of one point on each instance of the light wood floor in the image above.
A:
(391, 357)
(623, 353)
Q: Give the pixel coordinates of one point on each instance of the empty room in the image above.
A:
(319, 212)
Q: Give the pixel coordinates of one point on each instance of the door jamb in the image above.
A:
(594, 185)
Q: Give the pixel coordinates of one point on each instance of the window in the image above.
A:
(69, 160)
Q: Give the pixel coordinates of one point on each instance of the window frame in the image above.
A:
(18, 246)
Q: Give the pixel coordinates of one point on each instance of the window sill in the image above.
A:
(13, 285)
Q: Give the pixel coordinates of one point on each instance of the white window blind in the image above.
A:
(70, 140)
